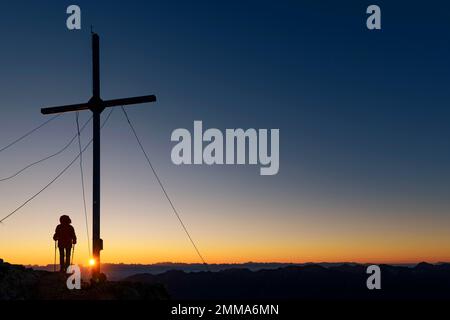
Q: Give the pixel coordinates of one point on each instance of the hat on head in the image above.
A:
(64, 219)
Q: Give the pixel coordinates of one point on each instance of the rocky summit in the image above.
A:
(20, 283)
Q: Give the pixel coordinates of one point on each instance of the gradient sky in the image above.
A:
(363, 118)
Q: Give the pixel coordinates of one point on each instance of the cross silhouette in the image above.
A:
(97, 105)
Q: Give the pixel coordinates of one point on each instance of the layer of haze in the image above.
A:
(363, 117)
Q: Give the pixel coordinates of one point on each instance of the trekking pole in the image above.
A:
(54, 260)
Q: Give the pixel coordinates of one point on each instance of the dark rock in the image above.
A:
(19, 283)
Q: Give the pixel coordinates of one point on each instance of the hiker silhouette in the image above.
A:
(65, 235)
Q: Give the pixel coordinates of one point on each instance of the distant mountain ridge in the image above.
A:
(121, 271)
(341, 282)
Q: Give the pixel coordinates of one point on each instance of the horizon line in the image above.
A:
(244, 263)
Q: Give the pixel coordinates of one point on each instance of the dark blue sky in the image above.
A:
(364, 116)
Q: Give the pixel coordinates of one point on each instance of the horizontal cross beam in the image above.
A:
(99, 104)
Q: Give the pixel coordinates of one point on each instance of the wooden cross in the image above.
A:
(97, 105)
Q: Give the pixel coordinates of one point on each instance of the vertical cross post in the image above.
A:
(97, 108)
(95, 66)
(97, 243)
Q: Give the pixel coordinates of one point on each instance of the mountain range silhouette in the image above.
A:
(346, 281)
(308, 282)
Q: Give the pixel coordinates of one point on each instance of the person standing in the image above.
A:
(66, 237)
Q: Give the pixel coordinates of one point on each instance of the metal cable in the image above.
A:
(82, 184)
(29, 133)
(54, 179)
(163, 188)
(47, 157)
